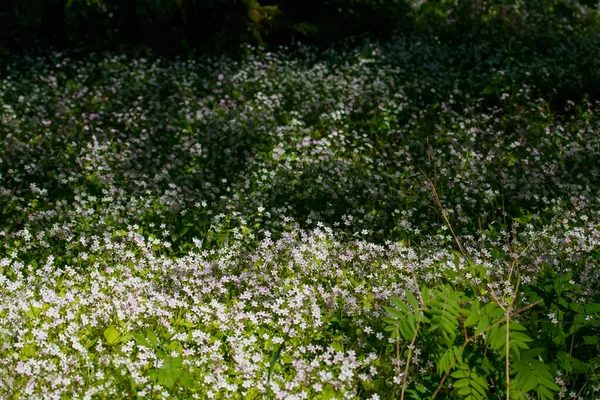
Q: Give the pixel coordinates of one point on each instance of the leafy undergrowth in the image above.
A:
(378, 221)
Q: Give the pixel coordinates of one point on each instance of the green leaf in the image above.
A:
(141, 340)
(400, 304)
(89, 343)
(590, 340)
(33, 312)
(412, 300)
(152, 339)
(492, 310)
(112, 335)
(474, 316)
(425, 295)
(570, 363)
(173, 363)
(26, 352)
(484, 323)
(444, 310)
(393, 312)
(592, 308)
(533, 375)
(184, 230)
(449, 359)
(407, 327)
(518, 338)
(186, 381)
(165, 378)
(460, 373)
(389, 321)
(468, 384)
(170, 373)
(533, 352)
(274, 358)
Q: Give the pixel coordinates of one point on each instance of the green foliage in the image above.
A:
(444, 311)
(171, 374)
(533, 375)
(165, 223)
(454, 324)
(449, 359)
(518, 338)
(113, 336)
(403, 320)
(468, 384)
(274, 358)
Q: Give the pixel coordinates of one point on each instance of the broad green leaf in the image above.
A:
(482, 325)
(186, 381)
(274, 358)
(141, 340)
(400, 304)
(408, 327)
(126, 338)
(394, 313)
(173, 363)
(590, 340)
(166, 378)
(152, 339)
(112, 335)
(460, 373)
(412, 300)
(33, 312)
(474, 316)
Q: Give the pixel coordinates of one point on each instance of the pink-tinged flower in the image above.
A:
(93, 116)
(47, 122)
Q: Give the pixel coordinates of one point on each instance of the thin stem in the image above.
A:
(572, 340)
(437, 201)
(500, 321)
(573, 335)
(497, 301)
(508, 353)
(397, 360)
(414, 338)
(422, 303)
(437, 390)
(481, 232)
(439, 204)
(408, 360)
(503, 207)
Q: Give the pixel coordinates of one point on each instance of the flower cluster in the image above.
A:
(219, 228)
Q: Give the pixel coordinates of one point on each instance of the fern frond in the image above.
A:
(519, 338)
(402, 319)
(533, 375)
(449, 359)
(445, 311)
(468, 384)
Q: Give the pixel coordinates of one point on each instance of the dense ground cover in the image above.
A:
(350, 223)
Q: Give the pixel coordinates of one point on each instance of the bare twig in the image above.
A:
(438, 203)
(408, 360)
(414, 338)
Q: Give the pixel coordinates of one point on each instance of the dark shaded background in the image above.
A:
(182, 27)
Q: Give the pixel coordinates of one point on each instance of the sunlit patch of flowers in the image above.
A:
(215, 228)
